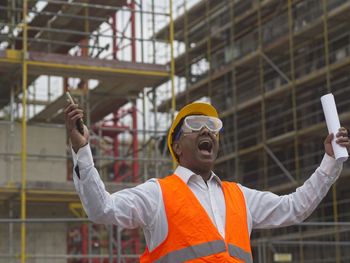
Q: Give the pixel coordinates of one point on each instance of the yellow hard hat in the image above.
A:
(195, 108)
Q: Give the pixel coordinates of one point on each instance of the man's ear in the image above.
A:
(177, 149)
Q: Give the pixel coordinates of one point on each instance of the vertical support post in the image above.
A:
(85, 53)
(328, 79)
(116, 149)
(154, 101)
(262, 91)
(292, 70)
(153, 32)
(24, 133)
(135, 144)
(11, 232)
(110, 243)
(12, 107)
(10, 13)
(48, 88)
(187, 49)
(119, 245)
(99, 150)
(207, 23)
(34, 98)
(85, 49)
(172, 63)
(84, 243)
(89, 241)
(11, 138)
(136, 237)
(326, 43)
(133, 31)
(141, 31)
(114, 35)
(144, 117)
(69, 162)
(264, 251)
(336, 219)
(49, 50)
(294, 109)
(234, 89)
(259, 252)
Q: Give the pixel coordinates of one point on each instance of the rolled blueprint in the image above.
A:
(333, 125)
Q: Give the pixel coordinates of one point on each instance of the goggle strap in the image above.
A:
(178, 135)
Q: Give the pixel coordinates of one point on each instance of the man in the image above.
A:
(192, 215)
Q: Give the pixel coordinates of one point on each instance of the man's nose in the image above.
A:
(204, 130)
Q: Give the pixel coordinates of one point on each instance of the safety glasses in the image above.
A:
(195, 123)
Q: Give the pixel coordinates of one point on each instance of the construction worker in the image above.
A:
(192, 215)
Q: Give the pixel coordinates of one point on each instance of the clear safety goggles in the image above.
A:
(195, 123)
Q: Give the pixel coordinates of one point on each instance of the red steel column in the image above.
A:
(84, 239)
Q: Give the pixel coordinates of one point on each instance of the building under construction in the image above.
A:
(264, 64)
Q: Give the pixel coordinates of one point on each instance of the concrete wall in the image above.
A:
(42, 239)
(46, 149)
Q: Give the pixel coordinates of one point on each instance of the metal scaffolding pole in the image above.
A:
(119, 242)
(110, 243)
(262, 92)
(234, 90)
(295, 124)
(154, 53)
(208, 31)
(329, 88)
(24, 132)
(187, 49)
(172, 64)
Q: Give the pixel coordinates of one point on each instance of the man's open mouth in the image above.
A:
(205, 146)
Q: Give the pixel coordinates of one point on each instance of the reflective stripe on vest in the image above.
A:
(193, 252)
(237, 252)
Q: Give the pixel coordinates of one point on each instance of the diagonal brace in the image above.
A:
(280, 165)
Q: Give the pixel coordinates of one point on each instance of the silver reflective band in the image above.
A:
(237, 252)
(193, 252)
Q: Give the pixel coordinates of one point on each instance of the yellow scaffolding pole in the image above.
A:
(172, 63)
(187, 50)
(207, 21)
(295, 123)
(328, 79)
(24, 134)
(234, 90)
(326, 43)
(262, 90)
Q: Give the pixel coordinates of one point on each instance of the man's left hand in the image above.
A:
(341, 138)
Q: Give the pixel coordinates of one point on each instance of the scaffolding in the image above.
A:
(103, 53)
(264, 64)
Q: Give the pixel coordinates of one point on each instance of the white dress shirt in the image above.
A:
(142, 206)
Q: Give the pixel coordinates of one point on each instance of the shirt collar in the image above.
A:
(186, 174)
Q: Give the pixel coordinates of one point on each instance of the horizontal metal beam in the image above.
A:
(98, 69)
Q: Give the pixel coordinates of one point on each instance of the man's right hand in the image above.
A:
(71, 115)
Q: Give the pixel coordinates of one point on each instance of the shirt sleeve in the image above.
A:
(268, 210)
(128, 208)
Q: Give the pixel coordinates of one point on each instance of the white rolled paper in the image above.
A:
(333, 125)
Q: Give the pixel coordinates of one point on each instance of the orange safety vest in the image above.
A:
(192, 236)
